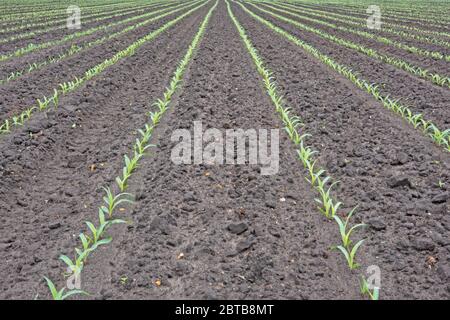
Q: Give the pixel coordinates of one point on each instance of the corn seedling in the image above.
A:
(350, 253)
(343, 225)
(373, 294)
(112, 201)
(5, 127)
(43, 104)
(60, 295)
(76, 267)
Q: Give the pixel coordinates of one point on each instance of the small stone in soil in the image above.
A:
(237, 228)
(399, 181)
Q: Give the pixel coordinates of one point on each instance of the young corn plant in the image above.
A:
(343, 225)
(112, 201)
(122, 181)
(61, 294)
(43, 104)
(77, 266)
(55, 98)
(373, 294)
(5, 127)
(104, 224)
(350, 253)
(313, 174)
(305, 153)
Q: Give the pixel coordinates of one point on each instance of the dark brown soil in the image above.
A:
(220, 231)
(369, 150)
(420, 95)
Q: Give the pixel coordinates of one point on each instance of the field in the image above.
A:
(94, 206)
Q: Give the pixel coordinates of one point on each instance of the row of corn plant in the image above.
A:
(412, 49)
(440, 80)
(41, 12)
(318, 179)
(388, 24)
(74, 49)
(415, 9)
(113, 200)
(49, 24)
(439, 136)
(86, 20)
(360, 22)
(69, 86)
(436, 16)
(31, 47)
(422, 20)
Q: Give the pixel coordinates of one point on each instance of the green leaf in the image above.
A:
(52, 288)
(67, 261)
(72, 292)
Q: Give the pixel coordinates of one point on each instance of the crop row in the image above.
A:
(33, 47)
(90, 242)
(421, 21)
(406, 7)
(440, 137)
(51, 13)
(440, 80)
(40, 22)
(385, 23)
(67, 87)
(74, 49)
(328, 206)
(427, 53)
(361, 22)
(97, 17)
(47, 6)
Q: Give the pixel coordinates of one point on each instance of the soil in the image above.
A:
(220, 231)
